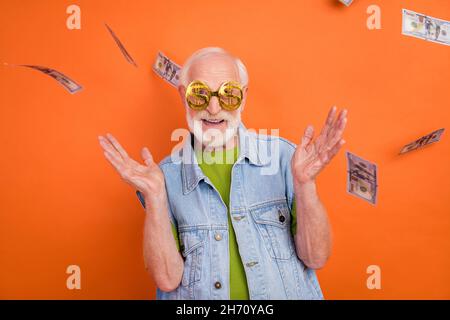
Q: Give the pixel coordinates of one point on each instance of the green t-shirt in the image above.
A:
(219, 173)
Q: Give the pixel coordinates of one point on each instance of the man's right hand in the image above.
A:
(161, 256)
(148, 178)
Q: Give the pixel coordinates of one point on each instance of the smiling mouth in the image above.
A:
(213, 121)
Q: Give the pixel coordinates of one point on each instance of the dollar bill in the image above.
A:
(69, 84)
(426, 28)
(121, 47)
(362, 178)
(424, 141)
(167, 69)
(346, 2)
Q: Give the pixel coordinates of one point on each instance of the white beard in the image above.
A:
(213, 138)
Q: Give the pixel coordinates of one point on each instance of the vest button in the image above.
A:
(252, 264)
(281, 218)
(218, 285)
(218, 237)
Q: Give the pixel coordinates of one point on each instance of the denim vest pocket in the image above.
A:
(273, 220)
(192, 247)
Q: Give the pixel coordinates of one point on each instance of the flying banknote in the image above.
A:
(346, 2)
(426, 28)
(121, 47)
(424, 141)
(69, 84)
(362, 178)
(167, 69)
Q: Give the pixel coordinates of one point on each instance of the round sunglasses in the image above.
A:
(198, 95)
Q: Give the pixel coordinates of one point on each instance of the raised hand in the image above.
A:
(147, 178)
(311, 157)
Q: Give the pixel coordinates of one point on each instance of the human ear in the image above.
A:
(244, 97)
(182, 91)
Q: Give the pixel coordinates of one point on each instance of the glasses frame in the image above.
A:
(219, 93)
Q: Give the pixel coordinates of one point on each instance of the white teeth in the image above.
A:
(214, 121)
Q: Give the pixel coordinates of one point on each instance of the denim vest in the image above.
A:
(261, 198)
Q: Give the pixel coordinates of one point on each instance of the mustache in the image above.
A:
(220, 116)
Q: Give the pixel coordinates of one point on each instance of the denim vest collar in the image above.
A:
(192, 174)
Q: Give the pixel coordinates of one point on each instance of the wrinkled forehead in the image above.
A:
(214, 70)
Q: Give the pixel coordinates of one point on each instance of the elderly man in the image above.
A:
(224, 228)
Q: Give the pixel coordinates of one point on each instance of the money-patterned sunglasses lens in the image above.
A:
(198, 96)
(230, 96)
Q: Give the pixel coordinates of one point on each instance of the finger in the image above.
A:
(329, 122)
(338, 122)
(307, 136)
(332, 153)
(107, 146)
(321, 139)
(147, 156)
(117, 145)
(114, 162)
(115, 155)
(337, 133)
(336, 130)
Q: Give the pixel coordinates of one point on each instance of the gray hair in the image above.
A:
(243, 75)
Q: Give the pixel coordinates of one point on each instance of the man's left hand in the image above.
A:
(312, 156)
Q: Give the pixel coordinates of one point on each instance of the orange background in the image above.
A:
(62, 203)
